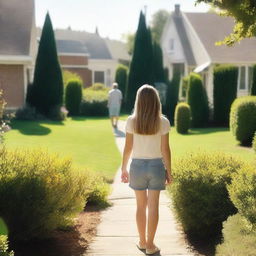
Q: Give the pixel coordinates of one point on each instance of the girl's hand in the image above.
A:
(125, 176)
(169, 178)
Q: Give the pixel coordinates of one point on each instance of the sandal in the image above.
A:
(152, 251)
(140, 247)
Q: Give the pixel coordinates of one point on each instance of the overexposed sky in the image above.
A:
(112, 17)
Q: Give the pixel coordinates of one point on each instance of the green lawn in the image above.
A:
(89, 141)
(210, 139)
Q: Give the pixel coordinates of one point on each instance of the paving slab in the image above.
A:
(117, 233)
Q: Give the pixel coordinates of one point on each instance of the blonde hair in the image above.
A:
(147, 110)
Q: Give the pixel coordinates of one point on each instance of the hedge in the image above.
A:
(197, 100)
(243, 119)
(182, 118)
(238, 241)
(73, 97)
(224, 92)
(199, 191)
(39, 192)
(121, 78)
(95, 100)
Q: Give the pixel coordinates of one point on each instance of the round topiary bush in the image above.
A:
(73, 97)
(197, 100)
(243, 119)
(182, 117)
(199, 192)
(39, 192)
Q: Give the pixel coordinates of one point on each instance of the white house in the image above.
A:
(188, 44)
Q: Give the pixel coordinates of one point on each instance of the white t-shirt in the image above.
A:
(147, 146)
(114, 97)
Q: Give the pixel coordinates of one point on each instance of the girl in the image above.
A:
(147, 138)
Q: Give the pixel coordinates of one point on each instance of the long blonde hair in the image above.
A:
(147, 110)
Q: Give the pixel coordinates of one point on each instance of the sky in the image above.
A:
(114, 18)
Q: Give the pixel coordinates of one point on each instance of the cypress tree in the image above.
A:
(47, 90)
(141, 67)
(159, 74)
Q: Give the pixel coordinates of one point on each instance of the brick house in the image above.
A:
(17, 49)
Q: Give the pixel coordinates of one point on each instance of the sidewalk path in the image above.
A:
(117, 231)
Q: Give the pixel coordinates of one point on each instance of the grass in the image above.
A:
(208, 139)
(89, 141)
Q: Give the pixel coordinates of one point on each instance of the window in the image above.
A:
(171, 44)
(242, 81)
(250, 77)
(99, 77)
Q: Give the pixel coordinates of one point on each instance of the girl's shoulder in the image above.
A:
(165, 119)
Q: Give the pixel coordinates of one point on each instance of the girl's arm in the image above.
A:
(127, 150)
(166, 152)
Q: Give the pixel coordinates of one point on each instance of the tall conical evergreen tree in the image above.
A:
(141, 67)
(158, 67)
(47, 88)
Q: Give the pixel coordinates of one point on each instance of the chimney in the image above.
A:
(177, 9)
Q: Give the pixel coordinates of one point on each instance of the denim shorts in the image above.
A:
(147, 174)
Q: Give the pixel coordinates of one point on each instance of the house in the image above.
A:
(17, 49)
(89, 55)
(188, 44)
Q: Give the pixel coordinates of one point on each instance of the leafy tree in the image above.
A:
(141, 67)
(244, 12)
(47, 90)
(129, 38)
(158, 67)
(157, 24)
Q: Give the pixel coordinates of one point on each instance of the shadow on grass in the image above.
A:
(200, 131)
(30, 128)
(206, 247)
(87, 118)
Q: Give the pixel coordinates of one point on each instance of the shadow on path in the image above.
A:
(119, 133)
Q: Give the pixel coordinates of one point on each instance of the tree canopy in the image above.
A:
(244, 12)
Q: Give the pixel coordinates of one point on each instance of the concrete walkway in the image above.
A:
(117, 232)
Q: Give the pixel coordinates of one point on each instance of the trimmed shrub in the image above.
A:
(182, 118)
(199, 191)
(197, 100)
(95, 101)
(253, 88)
(39, 192)
(121, 78)
(242, 192)
(237, 239)
(98, 87)
(224, 92)
(4, 247)
(243, 119)
(254, 142)
(184, 86)
(73, 97)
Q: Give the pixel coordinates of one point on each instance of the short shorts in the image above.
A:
(147, 174)
(114, 110)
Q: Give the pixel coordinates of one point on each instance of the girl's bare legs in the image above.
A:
(153, 215)
(141, 198)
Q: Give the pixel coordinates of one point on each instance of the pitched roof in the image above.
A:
(71, 46)
(178, 21)
(210, 27)
(95, 45)
(16, 21)
(117, 49)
